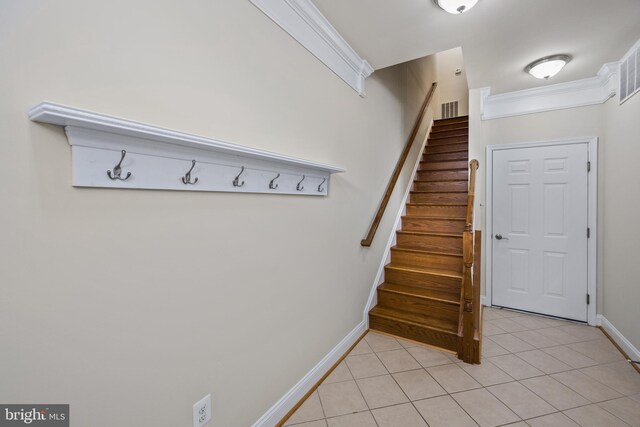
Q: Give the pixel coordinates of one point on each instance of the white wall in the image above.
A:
(618, 237)
(144, 301)
(452, 87)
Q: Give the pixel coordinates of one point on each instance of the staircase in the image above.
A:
(421, 296)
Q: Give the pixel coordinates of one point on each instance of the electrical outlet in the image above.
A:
(202, 411)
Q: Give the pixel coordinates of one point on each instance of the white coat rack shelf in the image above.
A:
(116, 153)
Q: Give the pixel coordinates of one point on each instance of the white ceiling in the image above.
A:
(498, 37)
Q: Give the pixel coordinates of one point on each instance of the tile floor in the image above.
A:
(535, 371)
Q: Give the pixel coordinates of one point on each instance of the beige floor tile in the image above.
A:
(535, 339)
(418, 384)
(571, 357)
(543, 361)
(620, 376)
(594, 416)
(583, 332)
(553, 420)
(602, 351)
(407, 343)
(341, 398)
(361, 348)
(557, 334)
(360, 419)
(486, 373)
(319, 423)
(379, 342)
(490, 349)
(428, 357)
(453, 378)
(341, 373)
(484, 408)
(511, 343)
(635, 397)
(521, 400)
(365, 365)
(489, 329)
(508, 325)
(489, 313)
(398, 360)
(586, 386)
(554, 392)
(624, 408)
(381, 391)
(507, 314)
(551, 321)
(518, 424)
(310, 410)
(531, 322)
(443, 411)
(398, 416)
(515, 367)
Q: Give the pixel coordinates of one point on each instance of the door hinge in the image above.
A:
(588, 232)
(588, 299)
(588, 166)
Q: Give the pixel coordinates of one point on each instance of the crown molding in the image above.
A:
(578, 93)
(305, 23)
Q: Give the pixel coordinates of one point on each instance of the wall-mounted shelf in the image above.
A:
(159, 158)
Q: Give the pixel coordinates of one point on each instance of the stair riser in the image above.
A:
(432, 225)
(446, 148)
(433, 157)
(418, 305)
(450, 126)
(460, 119)
(440, 187)
(438, 197)
(437, 211)
(445, 244)
(424, 280)
(416, 259)
(445, 340)
(448, 133)
(459, 175)
(459, 139)
(434, 166)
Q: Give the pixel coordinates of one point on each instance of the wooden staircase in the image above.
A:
(422, 298)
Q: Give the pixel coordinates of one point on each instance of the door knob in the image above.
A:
(499, 237)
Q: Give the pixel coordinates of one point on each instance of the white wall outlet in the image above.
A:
(202, 411)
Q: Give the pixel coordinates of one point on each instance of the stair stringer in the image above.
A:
(397, 225)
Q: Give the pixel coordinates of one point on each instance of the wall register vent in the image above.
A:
(450, 109)
(630, 74)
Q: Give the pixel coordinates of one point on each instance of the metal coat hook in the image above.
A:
(300, 187)
(186, 179)
(236, 180)
(271, 186)
(320, 189)
(117, 170)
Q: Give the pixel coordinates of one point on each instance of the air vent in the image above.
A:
(450, 109)
(630, 74)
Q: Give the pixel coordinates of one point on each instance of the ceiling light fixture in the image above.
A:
(456, 6)
(548, 66)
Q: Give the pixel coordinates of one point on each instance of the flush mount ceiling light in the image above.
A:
(456, 6)
(548, 66)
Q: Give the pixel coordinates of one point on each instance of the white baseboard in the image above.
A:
(485, 301)
(620, 339)
(297, 392)
(386, 259)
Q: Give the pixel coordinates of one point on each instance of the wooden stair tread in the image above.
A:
(423, 321)
(428, 233)
(418, 251)
(431, 294)
(438, 218)
(426, 270)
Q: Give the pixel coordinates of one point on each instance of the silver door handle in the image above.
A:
(499, 237)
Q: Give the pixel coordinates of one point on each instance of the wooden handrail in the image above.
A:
(396, 172)
(470, 301)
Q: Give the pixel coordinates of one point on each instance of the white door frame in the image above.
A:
(592, 214)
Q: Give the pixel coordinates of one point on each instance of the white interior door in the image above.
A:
(540, 220)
